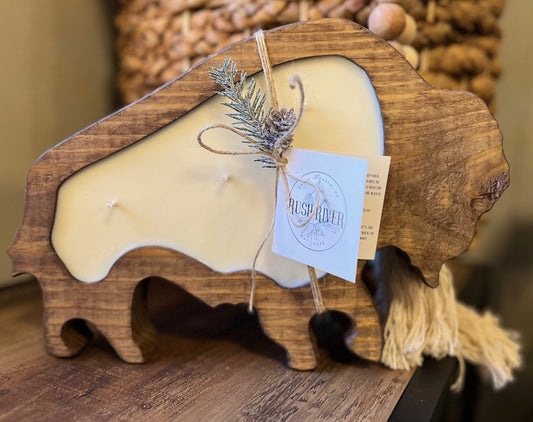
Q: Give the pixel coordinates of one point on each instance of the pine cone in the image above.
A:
(277, 124)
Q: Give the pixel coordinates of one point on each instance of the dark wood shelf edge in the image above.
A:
(424, 398)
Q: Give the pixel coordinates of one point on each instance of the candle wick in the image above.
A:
(113, 203)
(225, 178)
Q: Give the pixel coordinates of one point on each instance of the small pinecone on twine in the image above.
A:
(277, 124)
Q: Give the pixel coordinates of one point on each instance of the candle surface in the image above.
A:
(167, 191)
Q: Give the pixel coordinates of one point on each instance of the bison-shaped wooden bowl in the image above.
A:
(447, 168)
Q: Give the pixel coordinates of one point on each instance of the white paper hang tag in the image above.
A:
(330, 240)
(376, 183)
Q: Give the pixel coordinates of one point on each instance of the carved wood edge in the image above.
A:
(447, 165)
(115, 306)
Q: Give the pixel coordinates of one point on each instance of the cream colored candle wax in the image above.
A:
(167, 191)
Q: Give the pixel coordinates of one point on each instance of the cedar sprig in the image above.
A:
(247, 102)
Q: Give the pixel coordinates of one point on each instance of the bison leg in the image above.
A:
(116, 308)
(64, 337)
(126, 325)
(65, 331)
(285, 315)
(365, 339)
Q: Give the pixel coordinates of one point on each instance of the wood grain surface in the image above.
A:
(212, 365)
(447, 168)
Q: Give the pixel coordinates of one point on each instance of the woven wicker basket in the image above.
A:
(453, 43)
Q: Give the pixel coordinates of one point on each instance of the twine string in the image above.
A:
(315, 289)
(280, 162)
(267, 68)
(275, 154)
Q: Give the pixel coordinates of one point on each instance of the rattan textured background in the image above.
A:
(452, 43)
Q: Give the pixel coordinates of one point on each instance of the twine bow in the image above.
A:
(273, 151)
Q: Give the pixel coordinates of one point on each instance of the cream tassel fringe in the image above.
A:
(425, 321)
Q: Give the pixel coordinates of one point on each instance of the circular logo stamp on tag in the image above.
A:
(326, 227)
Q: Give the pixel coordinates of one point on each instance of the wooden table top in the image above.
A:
(211, 364)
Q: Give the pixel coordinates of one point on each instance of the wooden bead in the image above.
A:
(409, 52)
(397, 46)
(411, 55)
(387, 20)
(408, 34)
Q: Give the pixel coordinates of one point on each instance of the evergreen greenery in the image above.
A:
(247, 102)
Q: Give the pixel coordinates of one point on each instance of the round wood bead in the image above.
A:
(397, 46)
(411, 55)
(387, 20)
(408, 34)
